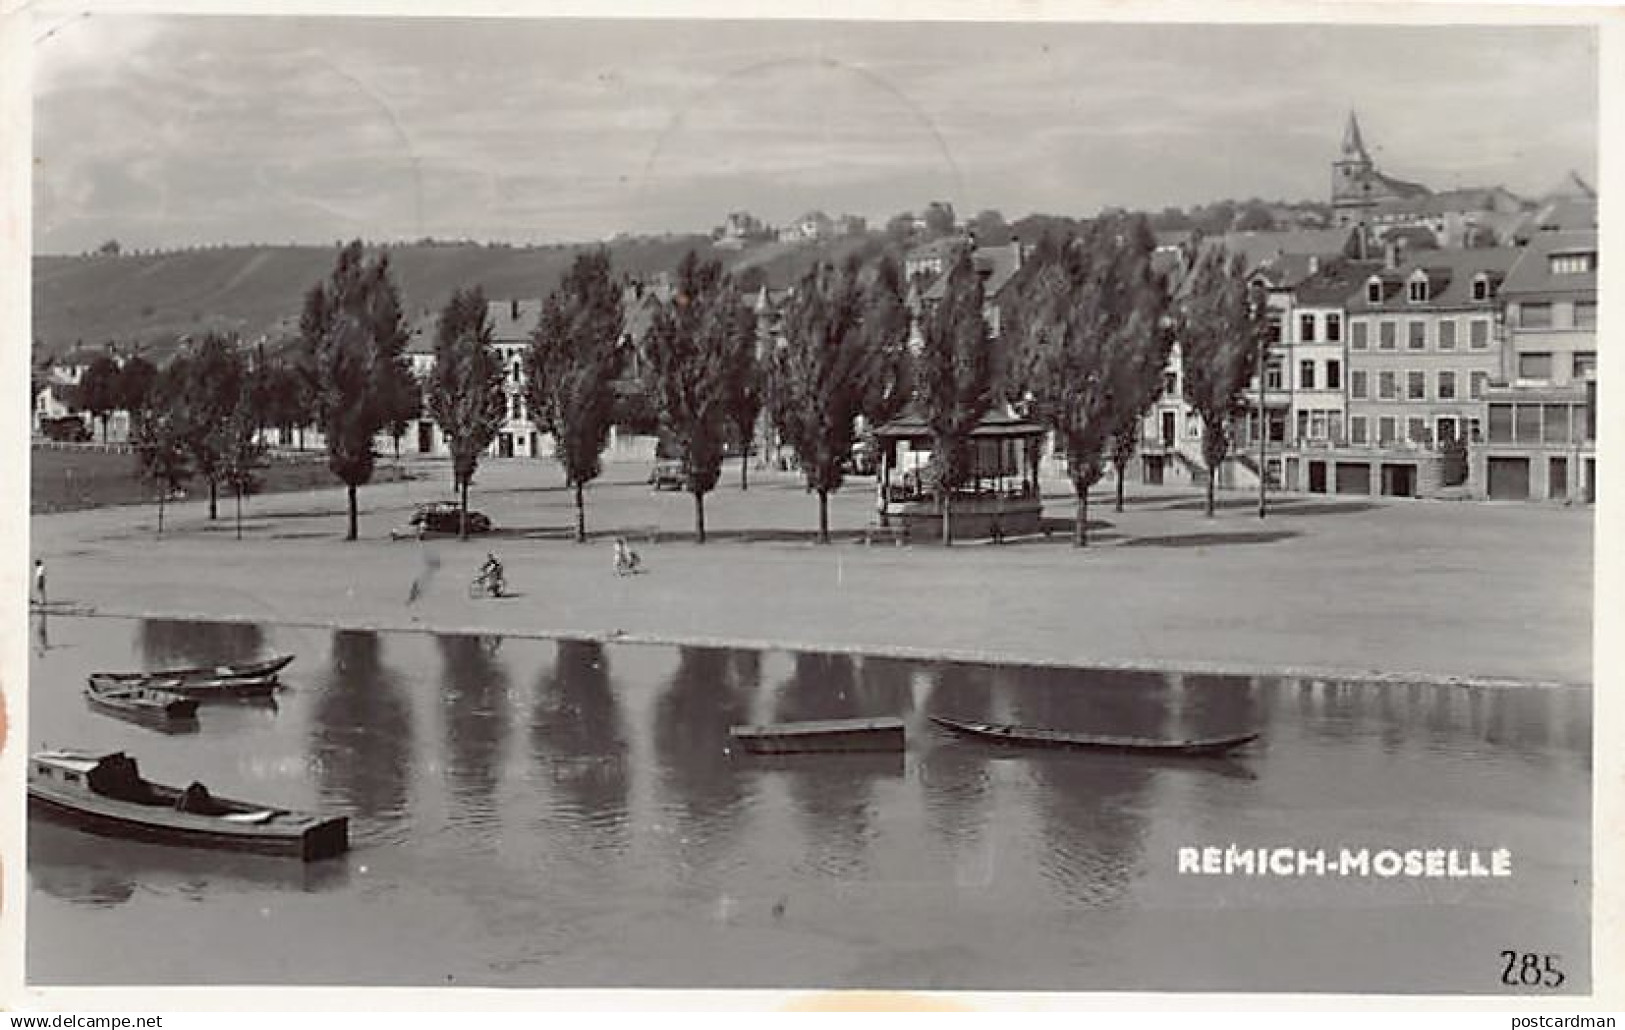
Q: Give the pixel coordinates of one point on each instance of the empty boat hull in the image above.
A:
(1032, 736)
(881, 734)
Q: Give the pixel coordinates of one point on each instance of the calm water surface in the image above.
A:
(541, 813)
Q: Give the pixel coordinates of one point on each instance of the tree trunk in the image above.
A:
(1080, 527)
(462, 510)
(104, 430)
(1121, 468)
(947, 519)
(581, 517)
(823, 516)
(239, 512)
(699, 517)
(214, 490)
(1212, 475)
(744, 462)
(160, 510)
(351, 534)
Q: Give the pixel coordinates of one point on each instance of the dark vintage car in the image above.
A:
(668, 475)
(442, 517)
(68, 429)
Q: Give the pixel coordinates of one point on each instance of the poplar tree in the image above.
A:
(465, 389)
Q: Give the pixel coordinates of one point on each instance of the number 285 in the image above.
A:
(1526, 969)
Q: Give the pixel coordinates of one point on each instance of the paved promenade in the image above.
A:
(1332, 586)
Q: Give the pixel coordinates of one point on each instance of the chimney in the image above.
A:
(1314, 264)
(1015, 245)
(513, 309)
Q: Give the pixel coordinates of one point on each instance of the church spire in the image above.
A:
(1353, 145)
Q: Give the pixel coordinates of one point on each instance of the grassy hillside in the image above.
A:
(152, 298)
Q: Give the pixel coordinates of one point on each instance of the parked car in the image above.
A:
(668, 475)
(68, 428)
(441, 517)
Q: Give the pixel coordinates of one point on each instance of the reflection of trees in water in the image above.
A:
(1093, 807)
(830, 792)
(886, 686)
(954, 773)
(474, 715)
(702, 787)
(361, 729)
(580, 744)
(168, 643)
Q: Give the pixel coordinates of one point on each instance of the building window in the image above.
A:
(1535, 365)
(1500, 423)
(1474, 432)
(1306, 375)
(1447, 334)
(1416, 431)
(1570, 264)
(1479, 334)
(1334, 426)
(1447, 386)
(1555, 419)
(1272, 373)
(1334, 375)
(1416, 386)
(1585, 364)
(1357, 383)
(1385, 431)
(1388, 336)
(1526, 423)
(1481, 287)
(1357, 429)
(1476, 385)
(1334, 326)
(1387, 386)
(1317, 425)
(1357, 335)
(1272, 331)
(1306, 328)
(1417, 337)
(1303, 426)
(1534, 316)
(1418, 293)
(1585, 314)
(1373, 291)
(1170, 384)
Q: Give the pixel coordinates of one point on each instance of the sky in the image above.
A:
(167, 131)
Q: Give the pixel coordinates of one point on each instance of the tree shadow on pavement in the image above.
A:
(1211, 539)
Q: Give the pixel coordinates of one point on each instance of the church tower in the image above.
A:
(1352, 177)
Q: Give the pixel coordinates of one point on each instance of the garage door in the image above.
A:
(1353, 477)
(1509, 479)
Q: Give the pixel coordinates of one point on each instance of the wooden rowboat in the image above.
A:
(142, 703)
(1032, 736)
(879, 734)
(202, 689)
(268, 667)
(105, 794)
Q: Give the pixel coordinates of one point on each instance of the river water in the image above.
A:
(565, 814)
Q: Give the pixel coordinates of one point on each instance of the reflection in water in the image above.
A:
(169, 643)
(1092, 807)
(361, 733)
(955, 780)
(581, 746)
(703, 789)
(633, 830)
(832, 797)
(42, 633)
(474, 713)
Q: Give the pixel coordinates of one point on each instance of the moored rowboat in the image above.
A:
(105, 794)
(229, 686)
(1033, 736)
(268, 667)
(141, 702)
(878, 734)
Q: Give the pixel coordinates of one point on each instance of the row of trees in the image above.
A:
(1088, 330)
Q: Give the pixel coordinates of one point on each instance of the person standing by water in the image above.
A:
(39, 581)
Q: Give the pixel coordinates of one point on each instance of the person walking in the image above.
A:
(39, 581)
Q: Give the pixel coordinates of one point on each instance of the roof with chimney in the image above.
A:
(1258, 248)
